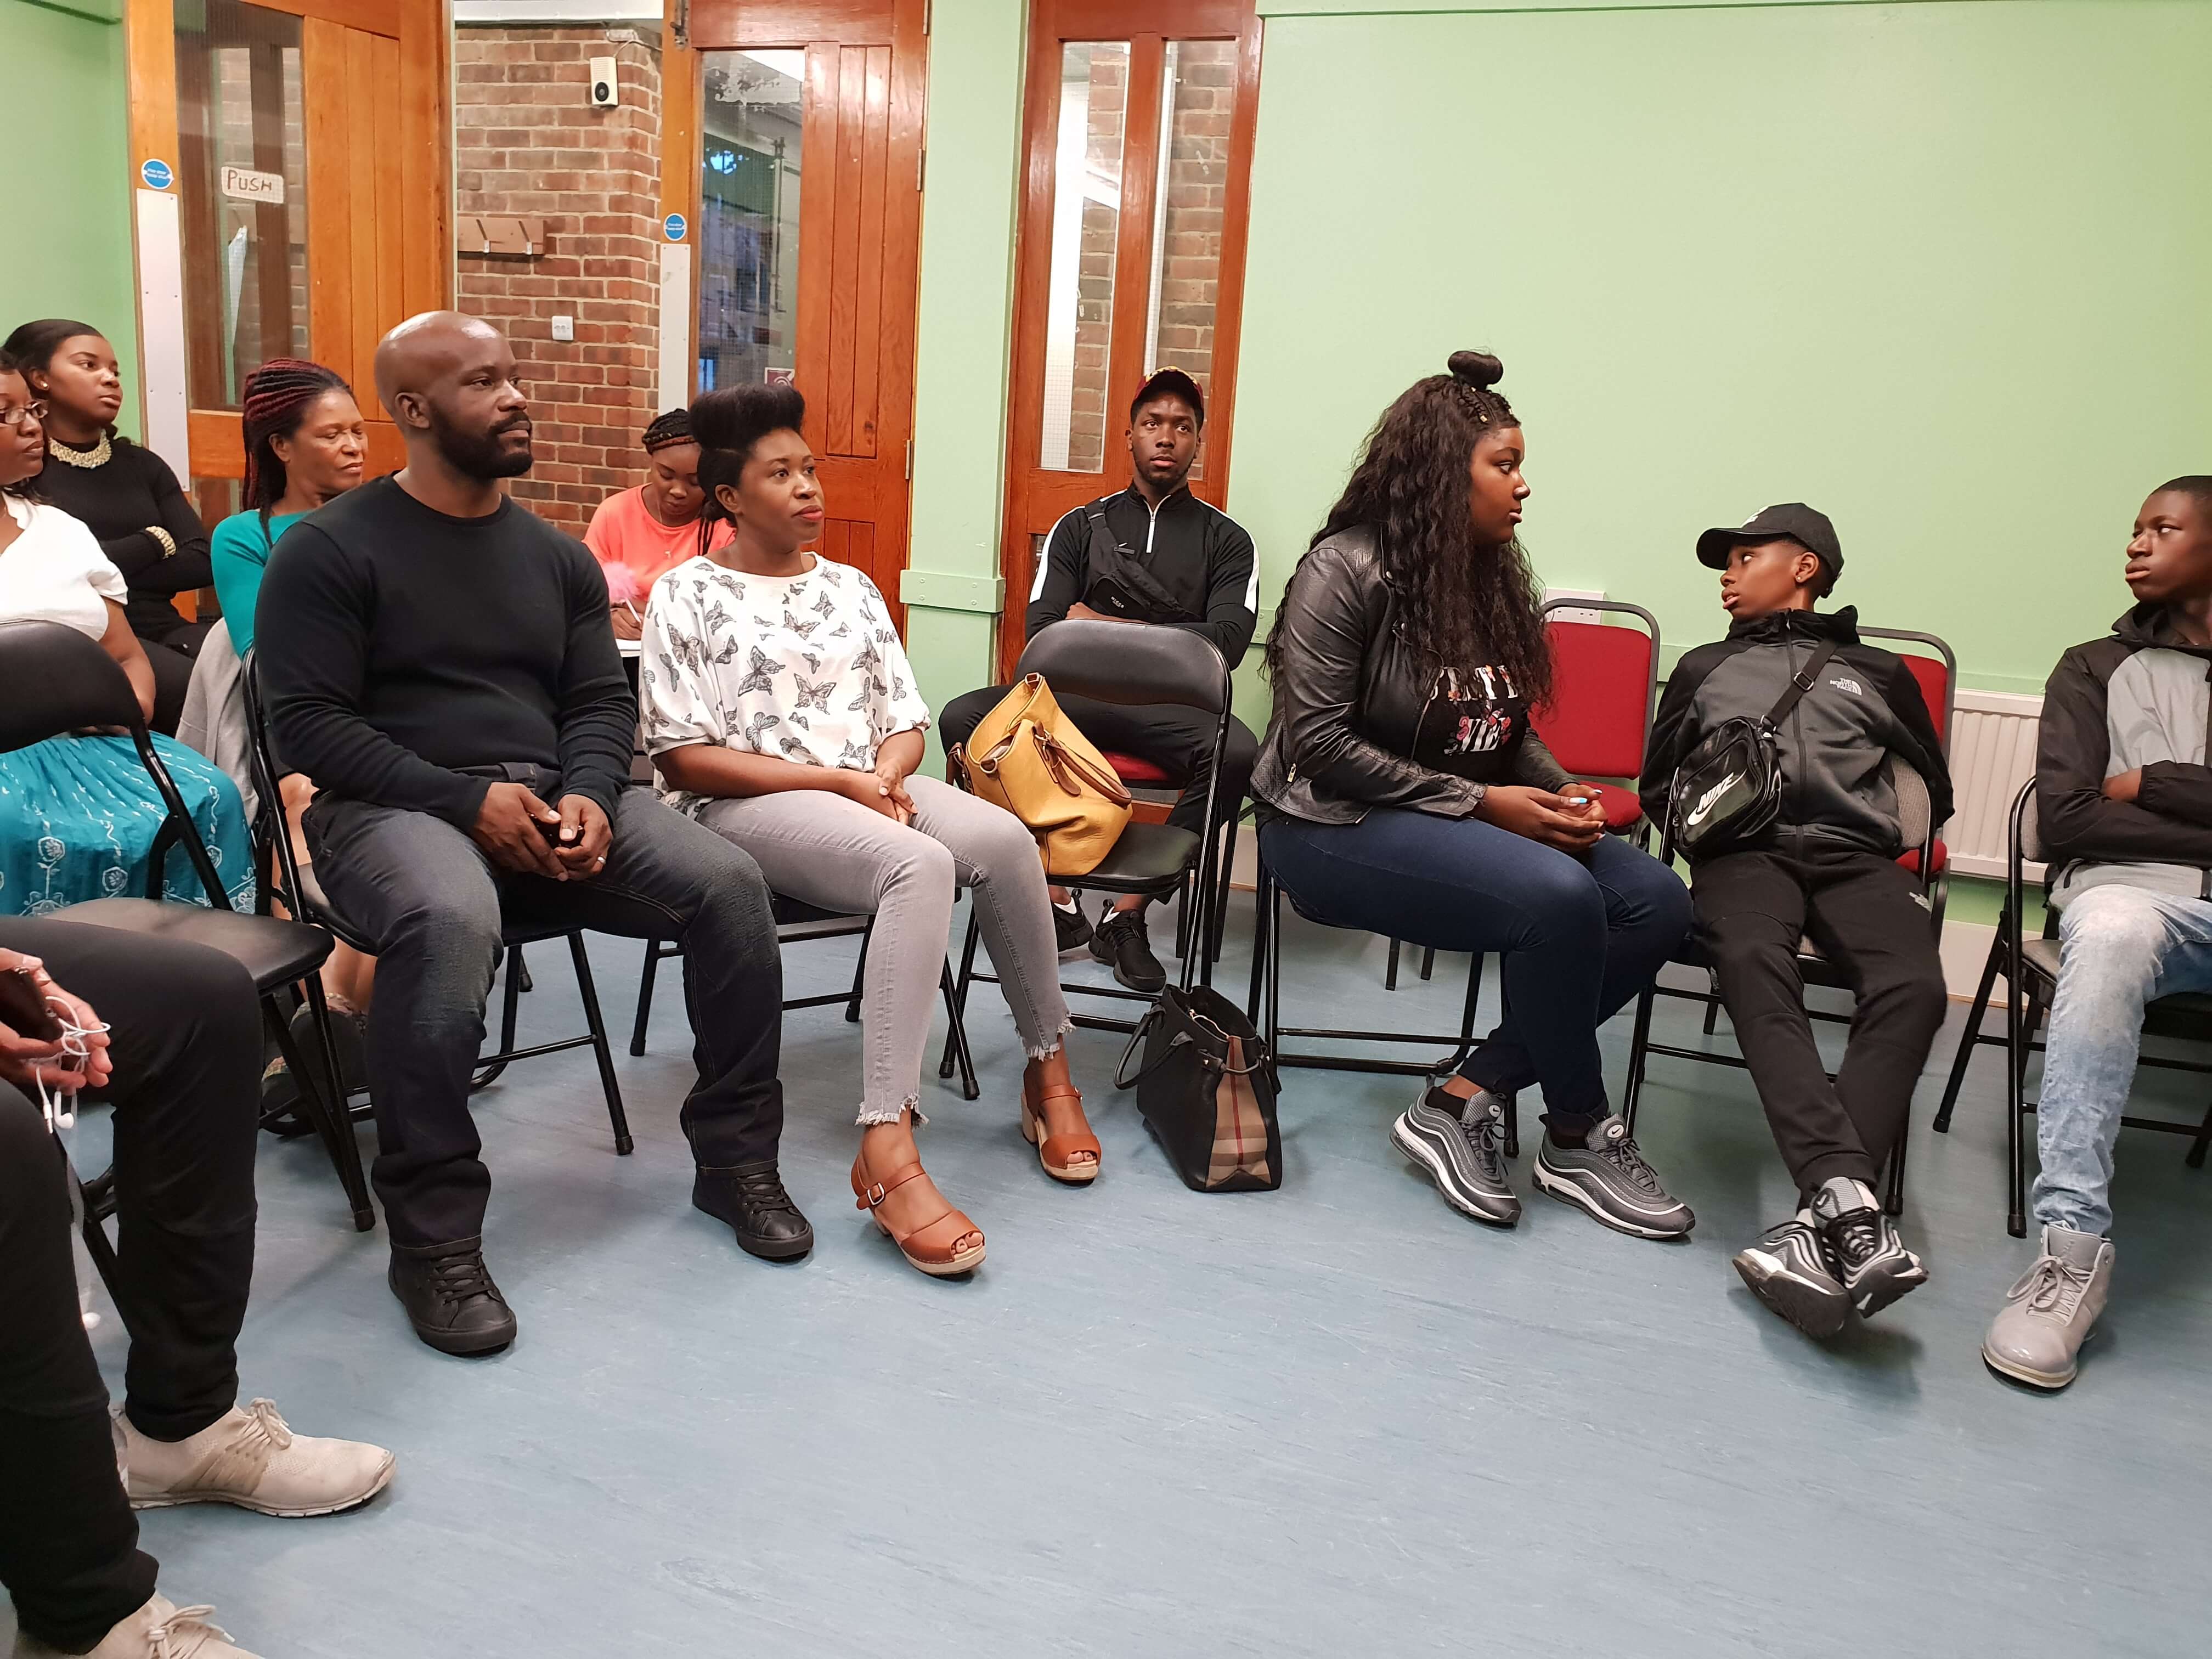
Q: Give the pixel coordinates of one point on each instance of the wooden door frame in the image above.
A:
(421, 274)
(1053, 25)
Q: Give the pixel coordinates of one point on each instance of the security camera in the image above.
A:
(604, 94)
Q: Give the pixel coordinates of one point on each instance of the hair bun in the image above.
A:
(1476, 368)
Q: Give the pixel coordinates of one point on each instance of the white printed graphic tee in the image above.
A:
(805, 668)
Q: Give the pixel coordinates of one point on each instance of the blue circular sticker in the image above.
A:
(672, 227)
(156, 174)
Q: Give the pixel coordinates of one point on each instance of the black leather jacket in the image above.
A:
(1349, 698)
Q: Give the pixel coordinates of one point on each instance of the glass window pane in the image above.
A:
(243, 181)
(753, 122)
(1198, 97)
(1086, 223)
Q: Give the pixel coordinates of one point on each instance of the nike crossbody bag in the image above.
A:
(1728, 789)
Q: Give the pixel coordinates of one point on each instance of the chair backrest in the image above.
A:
(58, 681)
(1603, 682)
(272, 835)
(1937, 674)
(1130, 663)
(1913, 806)
(2026, 828)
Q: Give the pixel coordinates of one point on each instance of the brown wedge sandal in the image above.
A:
(1056, 1153)
(930, 1246)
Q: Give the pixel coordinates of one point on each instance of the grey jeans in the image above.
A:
(833, 852)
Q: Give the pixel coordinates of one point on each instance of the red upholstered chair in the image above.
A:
(1604, 682)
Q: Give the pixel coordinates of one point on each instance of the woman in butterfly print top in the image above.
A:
(781, 712)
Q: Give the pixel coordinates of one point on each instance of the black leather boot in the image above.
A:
(750, 1198)
(449, 1296)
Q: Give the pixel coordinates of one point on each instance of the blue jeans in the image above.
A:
(432, 904)
(1578, 936)
(2120, 948)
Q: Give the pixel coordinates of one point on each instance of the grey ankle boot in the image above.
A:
(2050, 1311)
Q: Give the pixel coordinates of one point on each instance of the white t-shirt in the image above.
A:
(55, 571)
(806, 668)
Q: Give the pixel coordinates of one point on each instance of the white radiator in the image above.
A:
(1992, 754)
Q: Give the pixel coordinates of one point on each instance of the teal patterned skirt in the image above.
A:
(78, 817)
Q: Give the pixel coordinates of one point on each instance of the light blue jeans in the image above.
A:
(2119, 948)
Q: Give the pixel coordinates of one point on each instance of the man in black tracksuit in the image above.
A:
(1199, 564)
(1827, 869)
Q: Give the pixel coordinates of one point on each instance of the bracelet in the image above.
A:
(168, 543)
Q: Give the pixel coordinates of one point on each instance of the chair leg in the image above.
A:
(522, 969)
(645, 979)
(1260, 933)
(334, 1123)
(1712, 1010)
(99, 1247)
(966, 977)
(510, 1001)
(1639, 1056)
(1893, 1202)
(1390, 971)
(1974, 1032)
(859, 973)
(1222, 889)
(956, 1035)
(1429, 961)
(2198, 1146)
(600, 1050)
(2020, 1026)
(1184, 906)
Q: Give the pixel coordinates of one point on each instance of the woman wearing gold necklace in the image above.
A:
(145, 523)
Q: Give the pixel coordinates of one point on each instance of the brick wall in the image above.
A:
(528, 142)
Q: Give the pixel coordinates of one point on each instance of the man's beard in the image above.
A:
(480, 455)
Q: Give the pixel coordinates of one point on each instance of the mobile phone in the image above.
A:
(551, 829)
(23, 1007)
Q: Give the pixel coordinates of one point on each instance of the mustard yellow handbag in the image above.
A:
(1027, 756)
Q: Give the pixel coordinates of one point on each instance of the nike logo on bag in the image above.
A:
(1705, 805)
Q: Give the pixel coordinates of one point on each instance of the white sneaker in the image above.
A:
(160, 1630)
(249, 1456)
(2051, 1310)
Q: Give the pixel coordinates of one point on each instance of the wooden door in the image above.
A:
(1137, 132)
(308, 143)
(809, 216)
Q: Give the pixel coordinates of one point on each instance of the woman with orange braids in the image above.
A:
(305, 445)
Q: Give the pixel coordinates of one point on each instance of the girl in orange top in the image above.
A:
(640, 533)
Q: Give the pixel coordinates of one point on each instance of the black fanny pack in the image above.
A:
(1120, 586)
(1727, 790)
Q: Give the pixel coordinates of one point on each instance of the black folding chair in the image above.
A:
(797, 923)
(2030, 970)
(1917, 829)
(59, 681)
(1136, 665)
(295, 886)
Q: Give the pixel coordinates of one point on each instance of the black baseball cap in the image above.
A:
(1799, 522)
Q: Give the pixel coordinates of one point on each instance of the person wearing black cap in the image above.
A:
(1826, 868)
(1153, 553)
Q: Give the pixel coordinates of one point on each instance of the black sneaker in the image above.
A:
(750, 1198)
(281, 1113)
(1607, 1177)
(1071, 926)
(1862, 1245)
(1120, 941)
(449, 1296)
(1461, 1152)
(1787, 1270)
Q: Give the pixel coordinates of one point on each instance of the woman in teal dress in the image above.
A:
(78, 814)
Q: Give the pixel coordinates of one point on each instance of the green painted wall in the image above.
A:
(952, 589)
(70, 198)
(1940, 269)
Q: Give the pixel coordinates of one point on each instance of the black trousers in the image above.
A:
(434, 906)
(172, 657)
(1865, 913)
(187, 1047)
(1177, 740)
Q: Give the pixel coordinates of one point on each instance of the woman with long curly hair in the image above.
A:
(1403, 792)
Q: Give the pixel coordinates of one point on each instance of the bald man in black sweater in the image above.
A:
(439, 660)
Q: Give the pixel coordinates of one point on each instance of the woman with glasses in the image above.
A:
(144, 521)
(78, 813)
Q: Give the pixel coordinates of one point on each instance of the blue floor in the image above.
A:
(1334, 1419)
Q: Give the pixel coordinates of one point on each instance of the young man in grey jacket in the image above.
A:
(2124, 798)
(1826, 868)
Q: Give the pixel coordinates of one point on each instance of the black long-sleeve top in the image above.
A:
(1195, 551)
(119, 499)
(397, 645)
